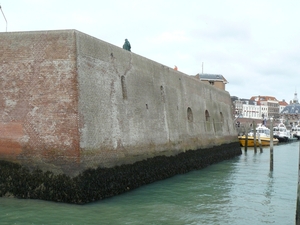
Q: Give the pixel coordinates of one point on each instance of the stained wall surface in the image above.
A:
(38, 98)
(132, 108)
(70, 101)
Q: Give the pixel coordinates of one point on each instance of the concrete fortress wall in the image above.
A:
(70, 101)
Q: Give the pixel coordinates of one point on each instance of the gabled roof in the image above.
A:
(246, 101)
(263, 98)
(283, 103)
(249, 101)
(212, 77)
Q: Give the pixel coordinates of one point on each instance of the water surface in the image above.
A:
(239, 191)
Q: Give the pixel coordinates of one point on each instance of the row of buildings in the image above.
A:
(257, 107)
(266, 107)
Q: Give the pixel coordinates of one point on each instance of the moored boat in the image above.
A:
(281, 132)
(262, 134)
(296, 131)
(265, 141)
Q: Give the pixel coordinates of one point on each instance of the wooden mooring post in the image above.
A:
(246, 135)
(254, 136)
(298, 193)
(259, 143)
(271, 145)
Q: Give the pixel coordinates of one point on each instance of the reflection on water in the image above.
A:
(237, 191)
(267, 201)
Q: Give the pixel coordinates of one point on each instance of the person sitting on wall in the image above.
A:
(127, 45)
(175, 68)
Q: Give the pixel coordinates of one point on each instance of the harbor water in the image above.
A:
(239, 191)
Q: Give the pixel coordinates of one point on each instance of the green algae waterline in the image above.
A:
(96, 184)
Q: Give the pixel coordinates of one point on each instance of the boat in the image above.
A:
(265, 141)
(295, 132)
(262, 135)
(281, 132)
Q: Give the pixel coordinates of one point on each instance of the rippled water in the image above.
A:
(238, 191)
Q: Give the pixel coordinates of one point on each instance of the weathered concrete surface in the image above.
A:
(142, 107)
(69, 101)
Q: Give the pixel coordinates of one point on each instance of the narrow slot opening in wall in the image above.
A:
(206, 115)
(124, 90)
(162, 92)
(190, 114)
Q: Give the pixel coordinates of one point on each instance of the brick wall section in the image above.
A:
(70, 101)
(38, 98)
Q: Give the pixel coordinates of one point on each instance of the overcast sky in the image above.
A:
(254, 44)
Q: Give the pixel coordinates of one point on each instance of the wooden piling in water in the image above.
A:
(254, 135)
(259, 143)
(271, 145)
(246, 135)
(298, 193)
